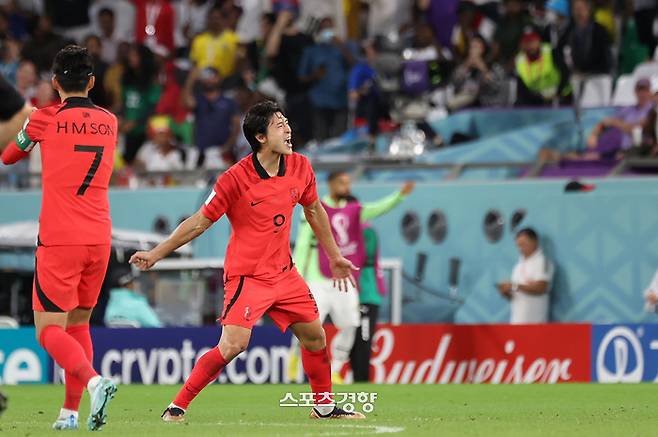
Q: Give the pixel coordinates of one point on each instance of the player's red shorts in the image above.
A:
(68, 277)
(286, 299)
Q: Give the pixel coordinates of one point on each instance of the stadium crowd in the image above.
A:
(181, 74)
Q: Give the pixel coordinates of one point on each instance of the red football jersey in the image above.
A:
(260, 209)
(77, 141)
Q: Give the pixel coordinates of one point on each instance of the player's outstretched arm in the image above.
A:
(184, 233)
(341, 268)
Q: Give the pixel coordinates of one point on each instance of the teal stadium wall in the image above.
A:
(604, 243)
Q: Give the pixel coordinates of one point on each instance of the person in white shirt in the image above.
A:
(528, 291)
(160, 153)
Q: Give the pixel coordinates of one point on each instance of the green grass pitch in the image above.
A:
(430, 410)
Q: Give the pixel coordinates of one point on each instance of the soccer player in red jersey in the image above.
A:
(258, 195)
(77, 141)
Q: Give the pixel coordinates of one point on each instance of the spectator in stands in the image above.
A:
(113, 78)
(14, 21)
(366, 98)
(72, 20)
(140, 93)
(438, 61)
(256, 53)
(110, 38)
(324, 67)
(127, 306)
(154, 23)
(217, 118)
(508, 33)
(44, 45)
(648, 146)
(192, 17)
(477, 83)
(217, 47)
(613, 134)
(538, 76)
(26, 79)
(44, 95)
(557, 19)
(442, 16)
(283, 49)
(245, 98)
(532, 277)
(95, 48)
(171, 79)
(632, 51)
(10, 52)
(469, 25)
(584, 49)
(645, 16)
(249, 24)
(160, 153)
(123, 12)
(604, 14)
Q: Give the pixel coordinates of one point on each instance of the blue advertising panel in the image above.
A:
(22, 360)
(167, 355)
(625, 353)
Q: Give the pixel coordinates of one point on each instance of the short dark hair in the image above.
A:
(106, 11)
(334, 174)
(269, 17)
(528, 232)
(73, 68)
(257, 119)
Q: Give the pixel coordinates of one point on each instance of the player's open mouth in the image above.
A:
(288, 142)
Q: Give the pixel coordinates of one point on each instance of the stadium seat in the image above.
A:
(122, 323)
(647, 69)
(596, 91)
(8, 322)
(624, 91)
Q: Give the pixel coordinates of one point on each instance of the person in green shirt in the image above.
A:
(343, 308)
(140, 94)
(371, 290)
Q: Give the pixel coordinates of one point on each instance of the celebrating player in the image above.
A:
(258, 195)
(77, 142)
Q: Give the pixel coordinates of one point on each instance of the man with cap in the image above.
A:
(538, 76)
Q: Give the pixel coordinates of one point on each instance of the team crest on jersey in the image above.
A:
(247, 313)
(294, 195)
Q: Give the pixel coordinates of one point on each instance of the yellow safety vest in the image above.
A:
(540, 76)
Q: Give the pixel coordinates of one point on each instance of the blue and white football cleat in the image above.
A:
(66, 423)
(100, 400)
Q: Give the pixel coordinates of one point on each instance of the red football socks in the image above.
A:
(67, 352)
(74, 388)
(318, 369)
(205, 371)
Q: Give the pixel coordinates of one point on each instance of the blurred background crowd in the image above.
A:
(180, 74)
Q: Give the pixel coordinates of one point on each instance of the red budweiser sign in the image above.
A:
(495, 354)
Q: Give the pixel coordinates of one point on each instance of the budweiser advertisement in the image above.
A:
(495, 354)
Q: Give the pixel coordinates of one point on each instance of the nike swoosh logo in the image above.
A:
(256, 203)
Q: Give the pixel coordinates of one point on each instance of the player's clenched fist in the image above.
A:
(143, 260)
